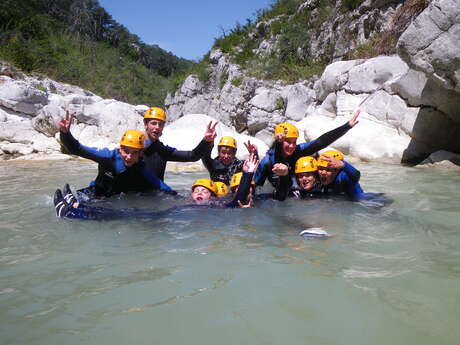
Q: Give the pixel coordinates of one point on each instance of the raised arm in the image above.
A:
(74, 146)
(328, 138)
(241, 197)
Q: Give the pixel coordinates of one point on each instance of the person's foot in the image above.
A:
(68, 195)
(60, 205)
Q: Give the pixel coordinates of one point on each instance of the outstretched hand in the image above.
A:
(210, 133)
(252, 148)
(65, 122)
(248, 205)
(333, 163)
(354, 120)
(250, 164)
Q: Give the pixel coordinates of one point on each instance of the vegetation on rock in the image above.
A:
(78, 42)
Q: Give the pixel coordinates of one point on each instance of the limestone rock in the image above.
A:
(430, 44)
(334, 77)
(186, 132)
(361, 140)
(299, 100)
(21, 97)
(374, 73)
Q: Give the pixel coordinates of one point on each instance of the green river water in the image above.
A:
(386, 276)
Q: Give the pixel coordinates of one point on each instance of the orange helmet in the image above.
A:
(227, 141)
(133, 138)
(155, 113)
(306, 164)
(206, 183)
(287, 129)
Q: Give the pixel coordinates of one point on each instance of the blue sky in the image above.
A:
(186, 28)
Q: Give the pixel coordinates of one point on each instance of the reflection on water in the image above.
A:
(385, 276)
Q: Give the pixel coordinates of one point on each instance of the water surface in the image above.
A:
(386, 276)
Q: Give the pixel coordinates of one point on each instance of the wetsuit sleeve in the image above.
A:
(75, 148)
(263, 170)
(353, 173)
(282, 188)
(243, 190)
(207, 160)
(323, 141)
(156, 182)
(350, 187)
(354, 191)
(169, 153)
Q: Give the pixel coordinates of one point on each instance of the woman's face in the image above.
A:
(201, 195)
(306, 180)
(289, 145)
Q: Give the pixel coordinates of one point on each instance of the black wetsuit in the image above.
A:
(113, 176)
(157, 155)
(219, 171)
(65, 210)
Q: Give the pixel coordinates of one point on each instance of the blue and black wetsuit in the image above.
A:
(64, 207)
(346, 183)
(274, 155)
(113, 176)
(157, 154)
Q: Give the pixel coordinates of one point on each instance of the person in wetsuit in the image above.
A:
(281, 158)
(339, 177)
(119, 171)
(305, 183)
(203, 193)
(157, 154)
(225, 165)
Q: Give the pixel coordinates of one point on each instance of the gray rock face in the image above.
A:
(21, 97)
(431, 43)
(28, 116)
(393, 98)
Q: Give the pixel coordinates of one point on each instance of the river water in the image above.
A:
(386, 276)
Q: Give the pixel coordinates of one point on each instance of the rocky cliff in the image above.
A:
(409, 101)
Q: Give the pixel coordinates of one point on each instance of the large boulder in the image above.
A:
(430, 43)
(370, 140)
(21, 97)
(186, 132)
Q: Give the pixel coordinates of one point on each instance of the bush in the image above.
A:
(237, 81)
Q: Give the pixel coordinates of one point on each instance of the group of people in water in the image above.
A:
(138, 165)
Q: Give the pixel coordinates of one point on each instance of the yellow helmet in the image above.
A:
(287, 129)
(329, 153)
(155, 113)
(133, 138)
(227, 141)
(306, 164)
(206, 183)
(236, 179)
(222, 188)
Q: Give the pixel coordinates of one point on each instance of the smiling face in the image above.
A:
(289, 145)
(130, 155)
(226, 154)
(154, 128)
(306, 180)
(327, 175)
(201, 195)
